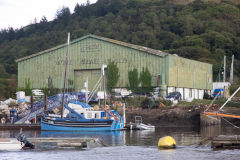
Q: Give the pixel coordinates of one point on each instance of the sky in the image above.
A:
(20, 13)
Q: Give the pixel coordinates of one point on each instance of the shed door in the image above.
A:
(80, 77)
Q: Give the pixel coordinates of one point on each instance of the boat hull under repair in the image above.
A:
(56, 124)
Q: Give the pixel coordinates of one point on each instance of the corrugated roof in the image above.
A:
(133, 46)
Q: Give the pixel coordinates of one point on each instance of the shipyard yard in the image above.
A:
(124, 80)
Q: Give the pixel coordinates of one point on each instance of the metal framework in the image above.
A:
(37, 108)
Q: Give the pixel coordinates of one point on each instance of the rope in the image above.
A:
(204, 142)
(98, 140)
(210, 105)
(230, 123)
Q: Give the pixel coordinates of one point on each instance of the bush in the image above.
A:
(233, 88)
(135, 101)
(206, 96)
(148, 103)
(165, 102)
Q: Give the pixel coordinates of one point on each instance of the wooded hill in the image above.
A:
(201, 30)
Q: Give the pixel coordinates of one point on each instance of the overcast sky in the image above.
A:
(19, 13)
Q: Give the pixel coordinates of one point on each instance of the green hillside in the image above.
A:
(204, 31)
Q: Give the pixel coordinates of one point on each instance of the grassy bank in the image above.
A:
(198, 102)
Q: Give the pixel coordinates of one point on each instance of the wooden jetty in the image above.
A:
(41, 143)
(49, 143)
(226, 142)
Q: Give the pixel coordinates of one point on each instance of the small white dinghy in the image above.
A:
(10, 144)
(141, 126)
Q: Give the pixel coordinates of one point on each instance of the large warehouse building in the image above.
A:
(87, 54)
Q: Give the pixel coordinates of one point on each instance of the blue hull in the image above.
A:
(84, 125)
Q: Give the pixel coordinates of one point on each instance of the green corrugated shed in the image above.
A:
(87, 54)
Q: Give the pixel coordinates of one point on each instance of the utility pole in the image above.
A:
(231, 70)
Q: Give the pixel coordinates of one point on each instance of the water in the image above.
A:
(130, 145)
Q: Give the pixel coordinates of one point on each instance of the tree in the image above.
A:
(198, 30)
(112, 75)
(63, 13)
(145, 80)
(43, 20)
(133, 79)
(7, 88)
(3, 72)
(27, 89)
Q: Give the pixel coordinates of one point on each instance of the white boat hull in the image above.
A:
(10, 144)
(142, 126)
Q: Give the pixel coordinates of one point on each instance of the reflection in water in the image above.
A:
(210, 131)
(14, 133)
(182, 136)
(139, 145)
(166, 150)
(5, 134)
(106, 137)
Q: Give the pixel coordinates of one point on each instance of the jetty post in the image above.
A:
(124, 113)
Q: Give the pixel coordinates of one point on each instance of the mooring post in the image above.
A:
(124, 114)
(32, 109)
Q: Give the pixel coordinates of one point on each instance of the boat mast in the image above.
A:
(86, 93)
(65, 73)
(104, 85)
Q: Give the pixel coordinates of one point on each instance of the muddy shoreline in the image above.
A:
(175, 116)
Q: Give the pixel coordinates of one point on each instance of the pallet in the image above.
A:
(226, 142)
(49, 143)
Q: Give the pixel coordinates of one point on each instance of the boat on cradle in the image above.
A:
(78, 116)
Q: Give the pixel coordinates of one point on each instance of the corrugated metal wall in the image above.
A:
(89, 53)
(189, 73)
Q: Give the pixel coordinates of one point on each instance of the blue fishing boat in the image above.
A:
(78, 116)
